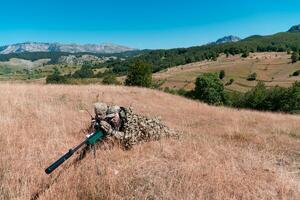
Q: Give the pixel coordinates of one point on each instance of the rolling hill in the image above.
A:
(222, 153)
(273, 68)
(166, 58)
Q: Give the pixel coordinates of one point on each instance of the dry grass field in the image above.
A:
(222, 153)
(271, 68)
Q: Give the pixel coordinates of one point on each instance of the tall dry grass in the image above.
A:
(222, 153)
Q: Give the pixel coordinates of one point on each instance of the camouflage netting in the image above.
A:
(139, 129)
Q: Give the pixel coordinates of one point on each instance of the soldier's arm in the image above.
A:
(110, 131)
(118, 134)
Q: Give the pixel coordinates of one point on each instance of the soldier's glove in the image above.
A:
(106, 127)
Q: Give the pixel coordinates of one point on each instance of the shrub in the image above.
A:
(255, 98)
(56, 78)
(245, 54)
(291, 99)
(110, 80)
(274, 99)
(296, 73)
(84, 72)
(209, 89)
(252, 77)
(222, 74)
(295, 56)
(230, 82)
(139, 74)
(180, 92)
(157, 84)
(233, 98)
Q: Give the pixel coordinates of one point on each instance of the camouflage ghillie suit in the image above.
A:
(139, 129)
(130, 128)
(126, 127)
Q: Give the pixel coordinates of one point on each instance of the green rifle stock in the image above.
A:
(92, 139)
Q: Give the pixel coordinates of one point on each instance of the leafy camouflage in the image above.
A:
(139, 129)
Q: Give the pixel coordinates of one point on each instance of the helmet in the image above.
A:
(100, 109)
(112, 110)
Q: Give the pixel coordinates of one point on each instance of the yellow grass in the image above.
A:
(221, 154)
(272, 68)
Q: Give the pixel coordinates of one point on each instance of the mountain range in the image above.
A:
(226, 39)
(57, 47)
(109, 48)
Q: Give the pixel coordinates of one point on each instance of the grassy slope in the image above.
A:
(266, 65)
(222, 153)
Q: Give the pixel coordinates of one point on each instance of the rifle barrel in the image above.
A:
(91, 140)
(62, 159)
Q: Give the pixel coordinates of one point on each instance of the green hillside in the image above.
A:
(162, 59)
(272, 68)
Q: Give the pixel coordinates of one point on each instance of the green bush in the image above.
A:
(245, 54)
(296, 73)
(222, 74)
(233, 98)
(230, 82)
(180, 92)
(295, 56)
(139, 74)
(157, 84)
(273, 99)
(255, 98)
(209, 89)
(85, 71)
(110, 80)
(56, 78)
(252, 77)
(291, 99)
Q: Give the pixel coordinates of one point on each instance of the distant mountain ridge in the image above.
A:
(163, 59)
(57, 47)
(227, 39)
(294, 29)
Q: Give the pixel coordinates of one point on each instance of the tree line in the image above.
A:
(85, 72)
(162, 59)
(209, 88)
(54, 56)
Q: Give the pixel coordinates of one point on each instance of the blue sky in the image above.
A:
(142, 24)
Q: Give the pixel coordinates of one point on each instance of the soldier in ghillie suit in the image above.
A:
(116, 123)
(129, 128)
